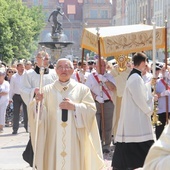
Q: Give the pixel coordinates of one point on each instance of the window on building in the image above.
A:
(68, 33)
(61, 1)
(104, 14)
(140, 13)
(161, 6)
(35, 2)
(99, 1)
(71, 9)
(93, 13)
(71, 17)
(158, 22)
(80, 1)
(76, 35)
(146, 13)
(156, 5)
(47, 16)
(45, 2)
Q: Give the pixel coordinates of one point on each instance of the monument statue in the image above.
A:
(56, 25)
(57, 40)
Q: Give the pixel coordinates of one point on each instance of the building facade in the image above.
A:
(100, 13)
(97, 13)
(77, 15)
(145, 11)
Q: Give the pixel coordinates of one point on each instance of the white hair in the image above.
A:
(67, 60)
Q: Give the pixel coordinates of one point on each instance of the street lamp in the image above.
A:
(1, 57)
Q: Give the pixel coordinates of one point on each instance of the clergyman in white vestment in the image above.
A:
(158, 157)
(73, 144)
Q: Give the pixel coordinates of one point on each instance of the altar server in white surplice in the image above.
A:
(30, 86)
(135, 134)
(68, 144)
(31, 79)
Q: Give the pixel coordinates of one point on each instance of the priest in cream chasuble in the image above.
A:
(75, 143)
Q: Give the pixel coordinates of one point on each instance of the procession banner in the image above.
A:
(122, 40)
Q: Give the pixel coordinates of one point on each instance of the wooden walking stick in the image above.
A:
(101, 91)
(38, 115)
(166, 56)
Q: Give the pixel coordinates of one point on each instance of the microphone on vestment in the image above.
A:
(64, 117)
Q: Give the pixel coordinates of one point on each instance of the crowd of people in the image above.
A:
(101, 100)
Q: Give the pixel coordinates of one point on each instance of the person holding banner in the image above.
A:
(102, 86)
(68, 136)
(81, 74)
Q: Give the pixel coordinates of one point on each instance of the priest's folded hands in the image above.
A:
(67, 104)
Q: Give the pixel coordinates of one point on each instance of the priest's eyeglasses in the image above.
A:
(64, 68)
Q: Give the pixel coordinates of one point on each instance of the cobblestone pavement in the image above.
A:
(12, 147)
(108, 158)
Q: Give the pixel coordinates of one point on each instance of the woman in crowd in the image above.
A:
(9, 73)
(4, 97)
(9, 111)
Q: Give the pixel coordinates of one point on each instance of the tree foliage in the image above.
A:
(20, 27)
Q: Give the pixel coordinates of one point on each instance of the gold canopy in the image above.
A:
(122, 40)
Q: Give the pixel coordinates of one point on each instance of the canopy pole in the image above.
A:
(166, 57)
(101, 91)
(82, 58)
(155, 117)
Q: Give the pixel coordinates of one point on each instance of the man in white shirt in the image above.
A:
(80, 74)
(102, 86)
(15, 97)
(163, 92)
(28, 65)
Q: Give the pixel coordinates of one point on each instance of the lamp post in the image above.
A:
(1, 57)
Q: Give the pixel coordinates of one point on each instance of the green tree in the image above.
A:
(20, 27)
